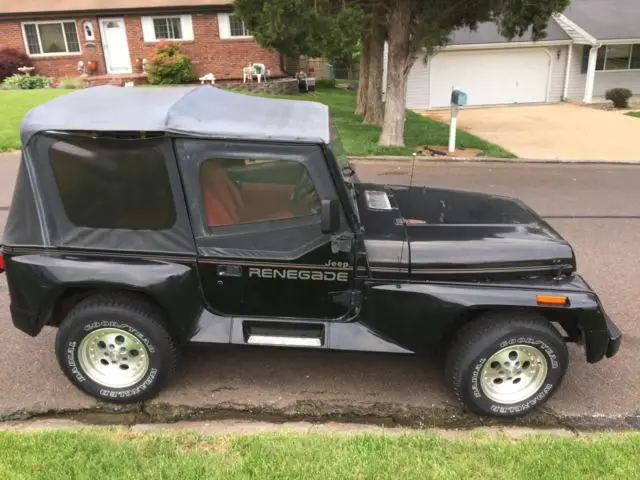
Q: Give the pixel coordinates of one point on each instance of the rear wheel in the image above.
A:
(115, 348)
(506, 364)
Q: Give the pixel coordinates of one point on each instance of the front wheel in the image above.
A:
(115, 348)
(506, 364)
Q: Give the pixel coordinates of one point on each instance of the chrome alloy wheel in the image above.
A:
(514, 374)
(113, 357)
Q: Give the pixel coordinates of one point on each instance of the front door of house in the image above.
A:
(115, 45)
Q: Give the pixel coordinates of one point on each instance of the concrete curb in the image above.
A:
(253, 427)
(440, 159)
(319, 413)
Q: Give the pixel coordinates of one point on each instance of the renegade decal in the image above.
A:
(295, 274)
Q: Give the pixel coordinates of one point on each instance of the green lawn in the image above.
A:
(634, 114)
(358, 139)
(13, 105)
(117, 454)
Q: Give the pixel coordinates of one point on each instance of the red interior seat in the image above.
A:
(225, 204)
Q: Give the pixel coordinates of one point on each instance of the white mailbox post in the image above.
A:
(458, 99)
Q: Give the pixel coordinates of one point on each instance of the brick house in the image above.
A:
(116, 33)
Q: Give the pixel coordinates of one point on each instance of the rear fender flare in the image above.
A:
(38, 282)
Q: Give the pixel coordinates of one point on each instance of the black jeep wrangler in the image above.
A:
(144, 219)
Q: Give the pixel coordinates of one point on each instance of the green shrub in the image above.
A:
(12, 59)
(619, 96)
(26, 82)
(70, 83)
(170, 65)
(325, 83)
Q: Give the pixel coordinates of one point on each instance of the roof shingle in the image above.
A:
(46, 6)
(607, 19)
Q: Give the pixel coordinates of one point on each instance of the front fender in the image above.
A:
(420, 316)
(36, 283)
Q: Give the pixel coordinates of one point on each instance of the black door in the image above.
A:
(255, 210)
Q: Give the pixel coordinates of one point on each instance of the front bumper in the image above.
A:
(602, 343)
(601, 337)
(615, 338)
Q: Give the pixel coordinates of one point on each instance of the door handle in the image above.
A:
(229, 271)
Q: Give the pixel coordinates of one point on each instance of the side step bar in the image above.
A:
(283, 341)
(286, 332)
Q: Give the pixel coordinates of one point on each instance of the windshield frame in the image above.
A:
(338, 157)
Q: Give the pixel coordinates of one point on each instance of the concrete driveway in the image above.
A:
(557, 132)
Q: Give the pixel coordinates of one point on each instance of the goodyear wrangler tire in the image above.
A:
(115, 348)
(506, 364)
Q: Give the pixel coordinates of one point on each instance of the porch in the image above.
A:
(116, 79)
(607, 65)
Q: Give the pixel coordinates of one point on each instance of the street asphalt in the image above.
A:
(597, 208)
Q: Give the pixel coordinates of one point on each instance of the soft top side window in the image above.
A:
(238, 191)
(114, 185)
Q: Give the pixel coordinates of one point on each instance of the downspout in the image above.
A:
(550, 76)
(567, 74)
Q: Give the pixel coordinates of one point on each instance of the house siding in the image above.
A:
(558, 72)
(607, 80)
(603, 80)
(577, 80)
(208, 52)
(418, 85)
(225, 58)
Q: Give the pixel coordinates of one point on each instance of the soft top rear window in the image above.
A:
(114, 184)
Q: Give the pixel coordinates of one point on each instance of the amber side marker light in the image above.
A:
(552, 300)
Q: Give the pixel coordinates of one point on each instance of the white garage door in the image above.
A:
(490, 77)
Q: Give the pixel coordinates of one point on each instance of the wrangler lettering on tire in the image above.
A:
(115, 347)
(506, 364)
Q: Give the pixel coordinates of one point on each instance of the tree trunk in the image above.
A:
(363, 77)
(373, 108)
(398, 67)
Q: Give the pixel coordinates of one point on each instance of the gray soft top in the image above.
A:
(203, 111)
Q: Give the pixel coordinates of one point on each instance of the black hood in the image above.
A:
(431, 232)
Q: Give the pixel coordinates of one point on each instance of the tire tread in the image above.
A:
(475, 331)
(131, 303)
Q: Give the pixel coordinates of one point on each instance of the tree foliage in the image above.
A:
(12, 59)
(334, 29)
(420, 27)
(314, 28)
(435, 20)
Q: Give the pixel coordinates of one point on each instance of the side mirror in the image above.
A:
(330, 216)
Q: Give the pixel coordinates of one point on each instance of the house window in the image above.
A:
(237, 27)
(618, 57)
(167, 28)
(232, 27)
(51, 38)
(177, 28)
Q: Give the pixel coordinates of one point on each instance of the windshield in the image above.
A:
(348, 173)
(336, 145)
